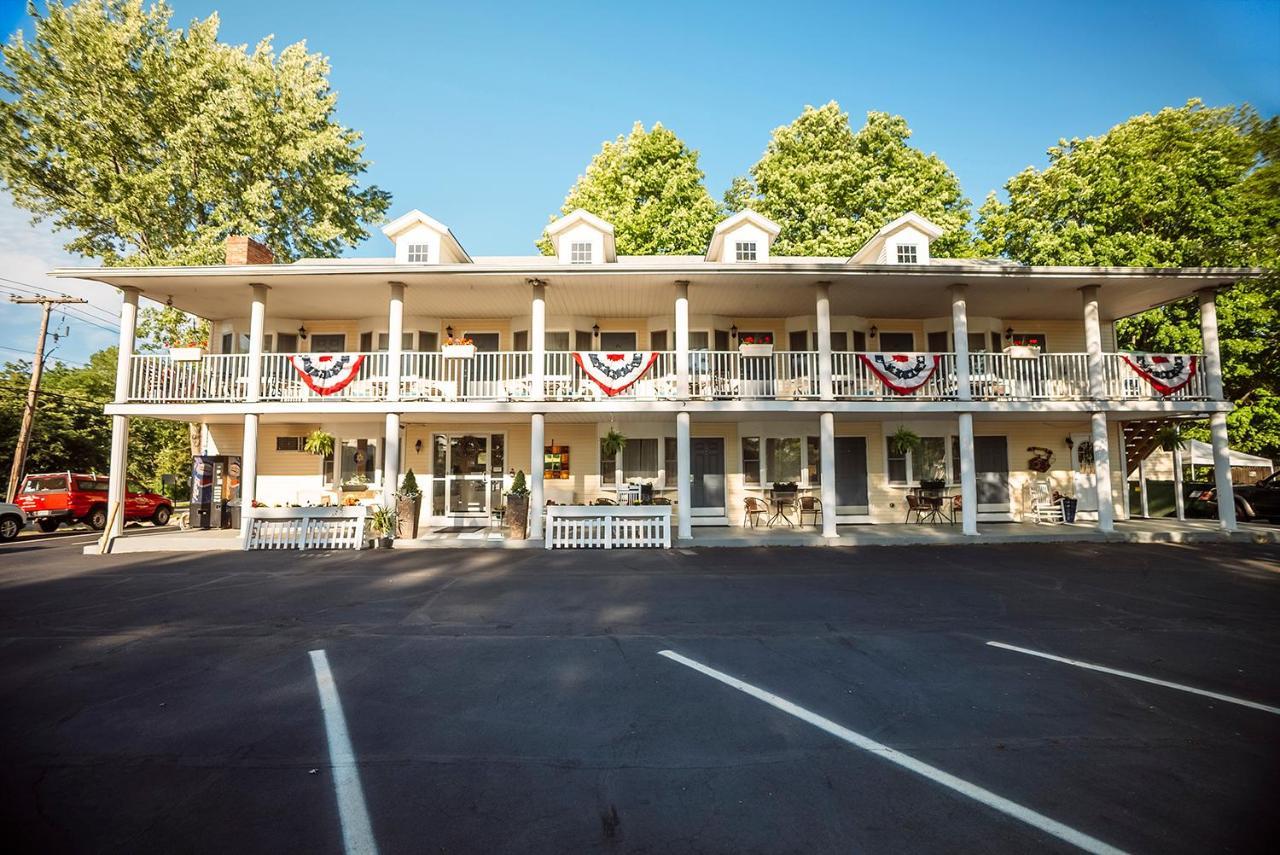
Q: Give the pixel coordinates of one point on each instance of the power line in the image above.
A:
(37, 289)
(14, 391)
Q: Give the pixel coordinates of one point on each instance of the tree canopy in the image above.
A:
(831, 189)
(1190, 186)
(649, 186)
(152, 144)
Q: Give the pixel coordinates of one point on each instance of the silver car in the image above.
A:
(13, 519)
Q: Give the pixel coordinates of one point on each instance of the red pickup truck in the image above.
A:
(65, 497)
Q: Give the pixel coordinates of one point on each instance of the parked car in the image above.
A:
(1255, 501)
(13, 519)
(65, 497)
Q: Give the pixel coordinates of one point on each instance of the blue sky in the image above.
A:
(483, 115)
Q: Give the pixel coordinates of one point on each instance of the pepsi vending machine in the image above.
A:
(215, 491)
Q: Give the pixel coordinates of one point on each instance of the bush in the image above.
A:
(519, 488)
(409, 486)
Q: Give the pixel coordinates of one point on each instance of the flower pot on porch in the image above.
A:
(458, 351)
(755, 349)
(186, 354)
(407, 510)
(516, 517)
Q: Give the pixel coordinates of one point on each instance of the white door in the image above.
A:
(1083, 474)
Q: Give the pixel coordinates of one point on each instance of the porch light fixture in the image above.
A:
(733, 331)
(417, 446)
(302, 332)
(1070, 444)
(872, 332)
(448, 331)
(595, 330)
(1008, 334)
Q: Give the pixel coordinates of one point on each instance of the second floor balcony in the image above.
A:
(487, 377)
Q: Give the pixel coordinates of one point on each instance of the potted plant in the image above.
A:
(408, 506)
(517, 512)
(187, 351)
(755, 345)
(355, 484)
(461, 347)
(382, 521)
(318, 443)
(613, 443)
(903, 441)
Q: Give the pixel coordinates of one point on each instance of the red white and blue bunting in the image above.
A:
(904, 373)
(327, 373)
(614, 372)
(1166, 372)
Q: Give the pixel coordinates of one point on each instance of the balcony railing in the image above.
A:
(712, 375)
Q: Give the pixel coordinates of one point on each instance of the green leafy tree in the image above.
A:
(831, 189)
(649, 186)
(1190, 186)
(153, 144)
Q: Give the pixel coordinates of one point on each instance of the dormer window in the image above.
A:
(907, 253)
(580, 252)
(418, 253)
(745, 250)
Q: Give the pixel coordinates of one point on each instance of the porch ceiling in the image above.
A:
(332, 292)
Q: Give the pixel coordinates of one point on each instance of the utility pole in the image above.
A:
(33, 390)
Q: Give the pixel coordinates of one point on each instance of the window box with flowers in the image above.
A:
(760, 344)
(187, 351)
(458, 348)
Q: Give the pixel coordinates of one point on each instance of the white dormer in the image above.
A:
(582, 238)
(419, 239)
(744, 238)
(904, 241)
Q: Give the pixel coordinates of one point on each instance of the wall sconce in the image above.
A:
(417, 446)
(733, 331)
(873, 331)
(1070, 444)
(595, 330)
(448, 331)
(302, 332)
(1008, 334)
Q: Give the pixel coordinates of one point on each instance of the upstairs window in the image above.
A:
(907, 253)
(418, 253)
(745, 250)
(580, 252)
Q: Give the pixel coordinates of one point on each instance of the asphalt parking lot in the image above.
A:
(737, 700)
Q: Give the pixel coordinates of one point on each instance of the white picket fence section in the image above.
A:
(307, 528)
(608, 527)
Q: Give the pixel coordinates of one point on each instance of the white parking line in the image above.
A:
(1132, 676)
(357, 833)
(1050, 826)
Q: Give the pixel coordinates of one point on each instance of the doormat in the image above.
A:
(458, 529)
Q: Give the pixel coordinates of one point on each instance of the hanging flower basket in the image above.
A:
(457, 351)
(186, 354)
(755, 349)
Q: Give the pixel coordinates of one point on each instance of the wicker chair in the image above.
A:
(810, 505)
(915, 506)
(753, 511)
(604, 501)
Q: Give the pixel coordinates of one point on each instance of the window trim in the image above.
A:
(422, 250)
(746, 251)
(908, 249)
(913, 480)
(581, 252)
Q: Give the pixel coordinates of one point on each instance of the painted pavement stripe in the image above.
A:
(357, 833)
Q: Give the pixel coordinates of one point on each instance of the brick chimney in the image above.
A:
(246, 250)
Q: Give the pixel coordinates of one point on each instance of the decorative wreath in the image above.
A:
(1041, 458)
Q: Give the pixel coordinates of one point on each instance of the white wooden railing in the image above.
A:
(608, 527)
(307, 528)
(713, 375)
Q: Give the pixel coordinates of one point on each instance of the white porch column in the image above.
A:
(395, 347)
(248, 470)
(960, 336)
(827, 448)
(538, 338)
(1142, 487)
(682, 341)
(968, 478)
(537, 450)
(1102, 472)
(124, 353)
(1093, 343)
(1212, 359)
(1222, 470)
(826, 390)
(391, 460)
(684, 493)
(257, 324)
(1179, 502)
(117, 475)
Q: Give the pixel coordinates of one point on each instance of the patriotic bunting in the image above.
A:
(1166, 372)
(327, 373)
(614, 372)
(904, 373)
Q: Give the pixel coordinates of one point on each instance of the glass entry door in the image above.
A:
(467, 475)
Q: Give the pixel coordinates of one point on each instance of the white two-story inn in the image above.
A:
(856, 379)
